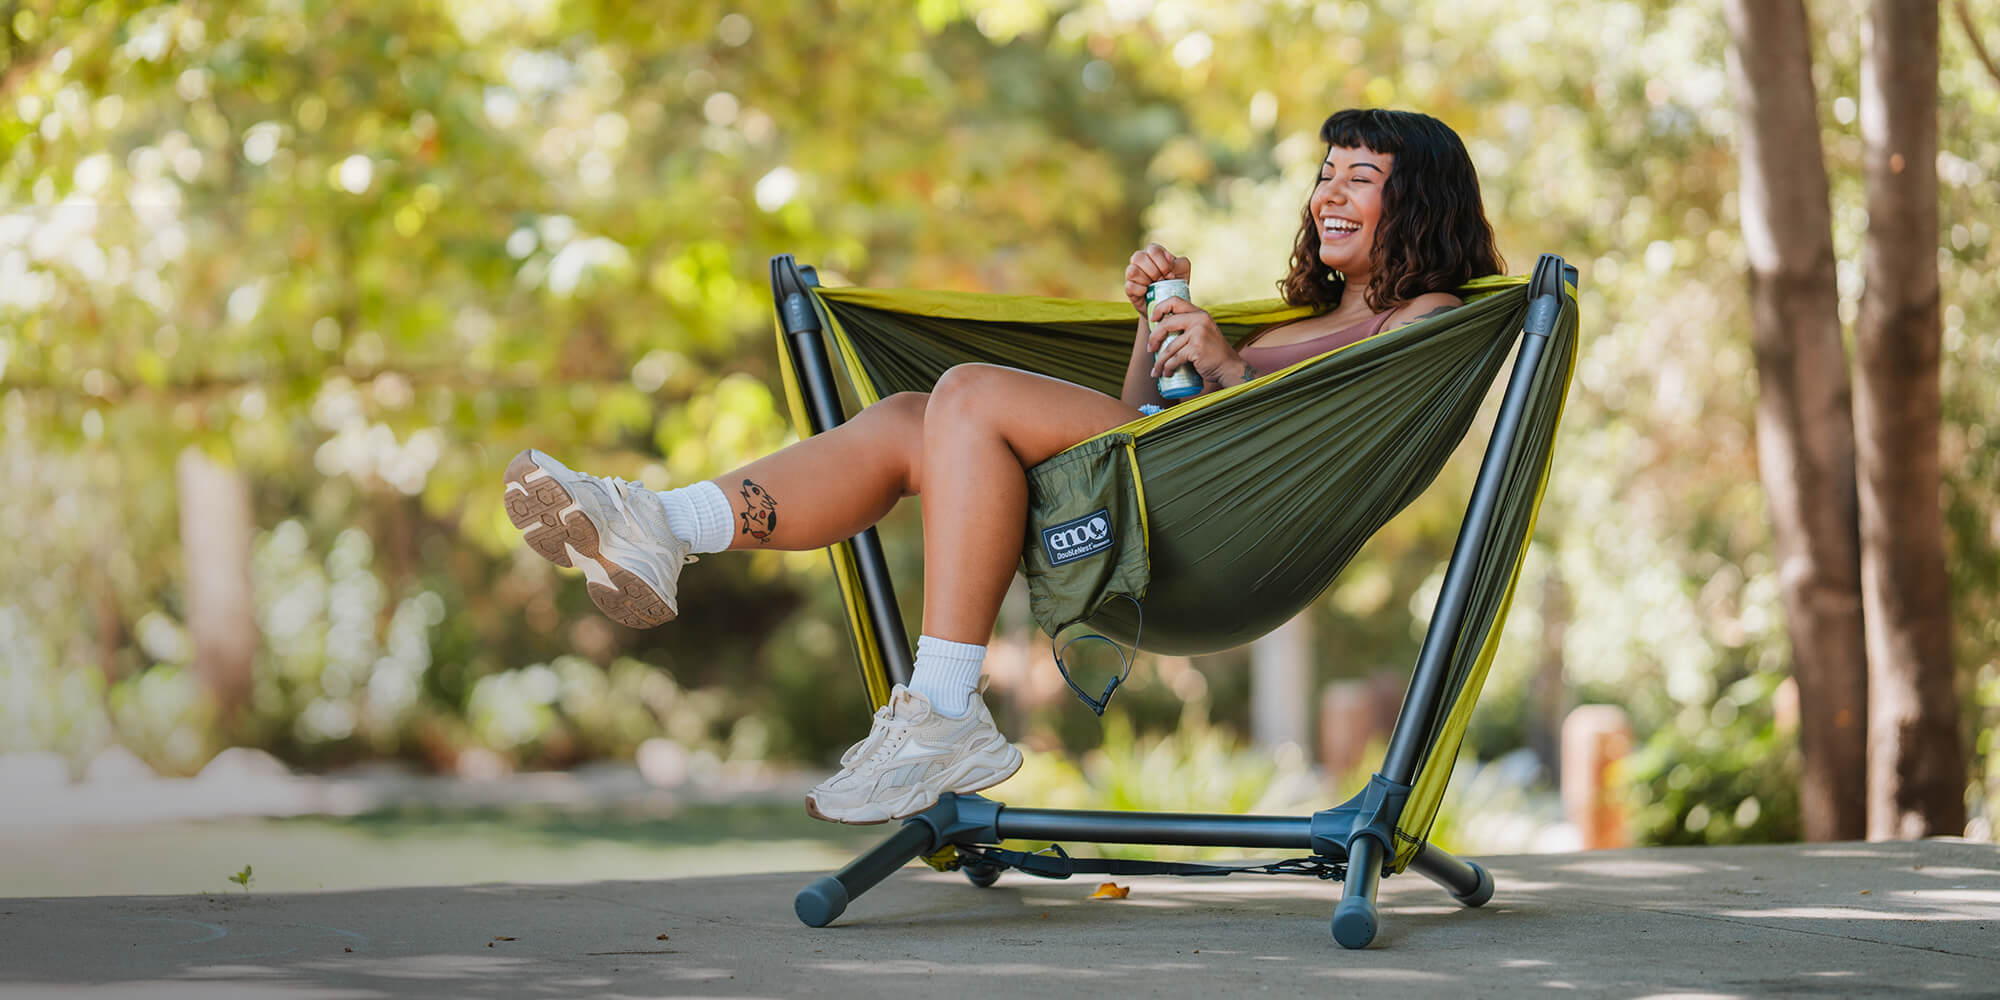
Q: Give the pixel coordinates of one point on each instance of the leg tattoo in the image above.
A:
(760, 514)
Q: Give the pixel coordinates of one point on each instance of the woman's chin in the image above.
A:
(1342, 262)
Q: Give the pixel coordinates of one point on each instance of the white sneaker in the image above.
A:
(913, 755)
(613, 530)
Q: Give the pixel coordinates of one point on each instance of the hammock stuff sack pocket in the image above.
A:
(1086, 542)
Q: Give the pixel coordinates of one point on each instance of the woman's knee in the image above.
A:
(965, 390)
(903, 407)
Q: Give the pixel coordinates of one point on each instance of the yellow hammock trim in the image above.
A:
(1427, 791)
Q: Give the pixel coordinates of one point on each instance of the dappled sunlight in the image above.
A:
(1556, 924)
(1856, 914)
(1415, 977)
(1630, 869)
(415, 967)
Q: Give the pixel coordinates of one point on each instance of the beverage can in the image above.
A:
(1184, 381)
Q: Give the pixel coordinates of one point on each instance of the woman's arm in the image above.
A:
(1141, 388)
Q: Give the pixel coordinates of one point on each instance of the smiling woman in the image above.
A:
(1395, 211)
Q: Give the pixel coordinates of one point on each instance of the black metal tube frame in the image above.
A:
(801, 320)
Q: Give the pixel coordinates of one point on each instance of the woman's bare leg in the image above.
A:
(966, 447)
(984, 428)
(830, 486)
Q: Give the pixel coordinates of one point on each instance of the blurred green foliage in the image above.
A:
(364, 251)
(1728, 775)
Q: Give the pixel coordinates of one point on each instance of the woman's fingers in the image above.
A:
(1200, 342)
(1152, 263)
(1157, 263)
(1166, 323)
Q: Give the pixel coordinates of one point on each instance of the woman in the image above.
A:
(1395, 214)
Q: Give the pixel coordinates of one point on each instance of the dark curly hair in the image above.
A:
(1434, 236)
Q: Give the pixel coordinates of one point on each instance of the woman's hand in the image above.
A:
(1200, 344)
(1154, 263)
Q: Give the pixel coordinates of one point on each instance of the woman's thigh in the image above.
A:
(1038, 416)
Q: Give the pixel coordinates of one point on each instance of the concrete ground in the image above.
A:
(1859, 920)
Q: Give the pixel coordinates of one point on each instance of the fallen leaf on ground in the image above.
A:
(662, 937)
(1111, 890)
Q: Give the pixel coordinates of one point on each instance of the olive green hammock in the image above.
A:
(1223, 517)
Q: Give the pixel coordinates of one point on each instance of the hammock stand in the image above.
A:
(1359, 841)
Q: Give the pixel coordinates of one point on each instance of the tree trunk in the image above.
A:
(1805, 432)
(1916, 769)
(215, 546)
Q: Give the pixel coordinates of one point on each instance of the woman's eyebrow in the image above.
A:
(1330, 165)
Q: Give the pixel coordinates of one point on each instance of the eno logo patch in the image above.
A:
(1072, 540)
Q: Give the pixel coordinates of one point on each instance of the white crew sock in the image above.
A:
(947, 673)
(699, 514)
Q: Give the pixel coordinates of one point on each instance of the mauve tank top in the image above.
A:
(1269, 359)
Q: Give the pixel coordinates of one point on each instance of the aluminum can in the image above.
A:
(1184, 381)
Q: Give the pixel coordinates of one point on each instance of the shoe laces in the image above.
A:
(626, 490)
(884, 739)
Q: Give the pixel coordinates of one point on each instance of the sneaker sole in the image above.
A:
(966, 786)
(559, 531)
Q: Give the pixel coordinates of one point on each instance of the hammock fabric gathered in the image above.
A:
(1223, 517)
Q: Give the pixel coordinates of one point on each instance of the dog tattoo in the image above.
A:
(760, 512)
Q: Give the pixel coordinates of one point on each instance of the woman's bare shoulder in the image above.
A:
(1424, 307)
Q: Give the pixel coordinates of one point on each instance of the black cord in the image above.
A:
(1098, 704)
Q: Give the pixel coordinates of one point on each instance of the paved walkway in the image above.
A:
(1822, 920)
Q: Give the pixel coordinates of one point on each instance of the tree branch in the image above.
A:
(1972, 35)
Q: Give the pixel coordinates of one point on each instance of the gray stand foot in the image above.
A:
(1467, 882)
(1354, 922)
(822, 902)
(1481, 893)
(1354, 919)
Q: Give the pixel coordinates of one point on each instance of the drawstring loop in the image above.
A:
(1097, 704)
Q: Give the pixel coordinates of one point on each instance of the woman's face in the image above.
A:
(1347, 207)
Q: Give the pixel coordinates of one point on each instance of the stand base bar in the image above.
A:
(1178, 829)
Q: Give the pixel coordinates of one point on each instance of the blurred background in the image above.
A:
(284, 284)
